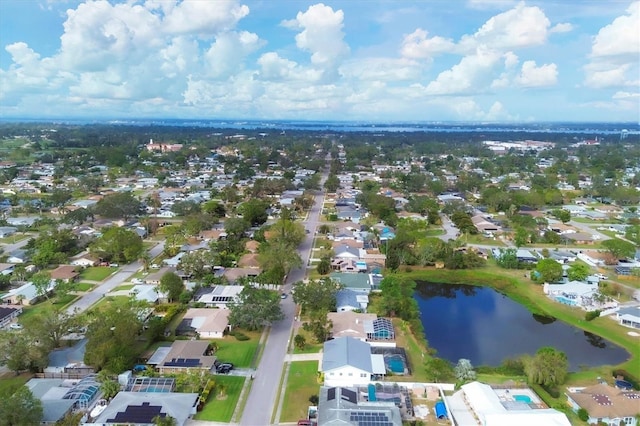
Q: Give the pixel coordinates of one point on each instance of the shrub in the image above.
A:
(240, 336)
(583, 415)
(591, 315)
(552, 391)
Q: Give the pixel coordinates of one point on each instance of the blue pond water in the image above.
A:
(486, 327)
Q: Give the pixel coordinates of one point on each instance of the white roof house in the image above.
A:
(349, 362)
(492, 410)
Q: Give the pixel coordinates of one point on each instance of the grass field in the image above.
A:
(123, 287)
(240, 353)
(301, 384)
(311, 347)
(96, 273)
(10, 382)
(220, 408)
(83, 287)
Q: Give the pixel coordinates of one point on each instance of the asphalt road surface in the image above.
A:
(86, 301)
(266, 384)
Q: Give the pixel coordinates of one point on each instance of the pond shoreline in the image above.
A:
(531, 297)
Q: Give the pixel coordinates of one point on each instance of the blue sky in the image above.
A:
(388, 60)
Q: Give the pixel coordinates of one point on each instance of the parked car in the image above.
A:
(305, 423)
(15, 326)
(114, 265)
(223, 369)
(137, 281)
(283, 296)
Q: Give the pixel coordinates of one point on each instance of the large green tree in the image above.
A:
(19, 351)
(19, 407)
(578, 272)
(118, 245)
(49, 326)
(119, 205)
(255, 308)
(618, 248)
(254, 211)
(547, 367)
(547, 270)
(111, 338)
(277, 258)
(316, 295)
(172, 285)
(397, 297)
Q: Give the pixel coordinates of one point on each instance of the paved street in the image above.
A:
(266, 385)
(112, 282)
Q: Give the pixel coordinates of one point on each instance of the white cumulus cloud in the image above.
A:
(534, 76)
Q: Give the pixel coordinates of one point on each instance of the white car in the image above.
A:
(137, 281)
(15, 326)
(601, 276)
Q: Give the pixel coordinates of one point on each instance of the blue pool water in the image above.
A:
(522, 398)
(565, 300)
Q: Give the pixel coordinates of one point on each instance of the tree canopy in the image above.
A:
(172, 285)
(255, 308)
(316, 295)
(119, 205)
(547, 367)
(19, 407)
(547, 270)
(118, 244)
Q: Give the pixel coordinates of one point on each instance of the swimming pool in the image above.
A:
(565, 300)
(522, 398)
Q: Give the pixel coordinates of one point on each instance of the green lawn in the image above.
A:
(96, 273)
(301, 384)
(220, 408)
(240, 353)
(83, 287)
(12, 382)
(123, 287)
(311, 347)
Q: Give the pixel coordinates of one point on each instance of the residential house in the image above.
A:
(27, 294)
(84, 260)
(217, 296)
(606, 404)
(347, 361)
(349, 323)
(629, 316)
(8, 314)
(155, 277)
(66, 273)
(233, 275)
(52, 393)
(7, 231)
(145, 292)
(361, 283)
(18, 256)
(6, 268)
(205, 323)
(345, 406)
(184, 355)
(478, 403)
(141, 408)
(579, 238)
(349, 300)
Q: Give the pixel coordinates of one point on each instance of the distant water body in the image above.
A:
(369, 127)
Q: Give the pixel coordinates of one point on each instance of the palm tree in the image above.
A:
(145, 260)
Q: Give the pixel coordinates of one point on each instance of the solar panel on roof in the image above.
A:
(144, 413)
(349, 395)
(331, 394)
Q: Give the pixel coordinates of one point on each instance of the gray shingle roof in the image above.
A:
(347, 351)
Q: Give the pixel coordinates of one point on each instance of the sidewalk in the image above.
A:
(303, 357)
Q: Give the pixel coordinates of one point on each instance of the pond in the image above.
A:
(486, 327)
